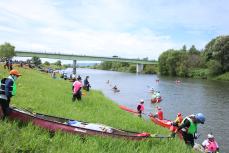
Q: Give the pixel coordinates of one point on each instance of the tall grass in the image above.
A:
(39, 92)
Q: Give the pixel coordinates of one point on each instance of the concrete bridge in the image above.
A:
(139, 63)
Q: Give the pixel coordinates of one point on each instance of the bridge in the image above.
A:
(139, 63)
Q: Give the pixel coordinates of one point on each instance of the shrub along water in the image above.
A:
(39, 92)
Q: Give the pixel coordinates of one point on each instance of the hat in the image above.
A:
(210, 136)
(15, 72)
(142, 101)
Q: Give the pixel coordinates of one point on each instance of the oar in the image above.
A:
(160, 136)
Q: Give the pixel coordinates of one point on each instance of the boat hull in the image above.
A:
(52, 124)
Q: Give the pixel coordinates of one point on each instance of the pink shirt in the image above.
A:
(77, 86)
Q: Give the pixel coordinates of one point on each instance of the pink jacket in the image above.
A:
(76, 86)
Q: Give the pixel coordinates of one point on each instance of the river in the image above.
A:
(188, 97)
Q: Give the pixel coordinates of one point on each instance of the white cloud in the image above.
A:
(126, 28)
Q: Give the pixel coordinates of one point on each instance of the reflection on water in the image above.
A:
(189, 97)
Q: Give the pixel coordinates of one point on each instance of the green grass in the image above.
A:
(224, 77)
(39, 92)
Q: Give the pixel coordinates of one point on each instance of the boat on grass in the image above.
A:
(53, 124)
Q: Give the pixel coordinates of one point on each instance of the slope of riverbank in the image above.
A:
(39, 92)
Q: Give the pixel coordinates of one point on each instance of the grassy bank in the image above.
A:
(39, 92)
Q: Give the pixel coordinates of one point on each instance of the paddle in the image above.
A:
(160, 136)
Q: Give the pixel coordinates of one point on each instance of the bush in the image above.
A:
(215, 68)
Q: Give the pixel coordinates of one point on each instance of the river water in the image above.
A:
(188, 97)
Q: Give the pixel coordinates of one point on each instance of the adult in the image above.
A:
(210, 145)
(160, 113)
(176, 123)
(86, 85)
(77, 85)
(7, 90)
(188, 127)
(140, 108)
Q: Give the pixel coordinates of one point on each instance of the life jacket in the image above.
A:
(140, 107)
(179, 120)
(212, 146)
(12, 88)
(192, 128)
(76, 86)
(160, 115)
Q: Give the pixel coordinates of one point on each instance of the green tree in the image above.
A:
(58, 63)
(7, 51)
(218, 49)
(184, 48)
(214, 67)
(47, 63)
(193, 50)
(36, 60)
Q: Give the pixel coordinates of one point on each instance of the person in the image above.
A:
(178, 120)
(108, 81)
(7, 90)
(188, 127)
(176, 123)
(210, 145)
(77, 85)
(140, 108)
(160, 114)
(10, 67)
(115, 88)
(86, 84)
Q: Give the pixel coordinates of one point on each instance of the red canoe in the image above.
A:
(164, 123)
(156, 100)
(128, 109)
(54, 124)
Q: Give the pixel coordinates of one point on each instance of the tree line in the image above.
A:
(211, 61)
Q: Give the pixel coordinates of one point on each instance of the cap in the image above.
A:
(15, 72)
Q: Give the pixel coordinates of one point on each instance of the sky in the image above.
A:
(125, 28)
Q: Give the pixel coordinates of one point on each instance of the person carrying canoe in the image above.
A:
(77, 85)
(210, 145)
(176, 123)
(7, 90)
(178, 120)
(140, 108)
(188, 127)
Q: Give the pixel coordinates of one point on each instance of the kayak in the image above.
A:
(156, 100)
(164, 123)
(53, 124)
(128, 109)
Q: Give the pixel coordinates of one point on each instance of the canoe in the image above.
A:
(53, 124)
(165, 123)
(128, 109)
(156, 100)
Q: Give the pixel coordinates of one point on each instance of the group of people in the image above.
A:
(9, 64)
(187, 127)
(77, 86)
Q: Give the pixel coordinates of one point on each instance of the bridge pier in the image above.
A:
(74, 67)
(139, 68)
